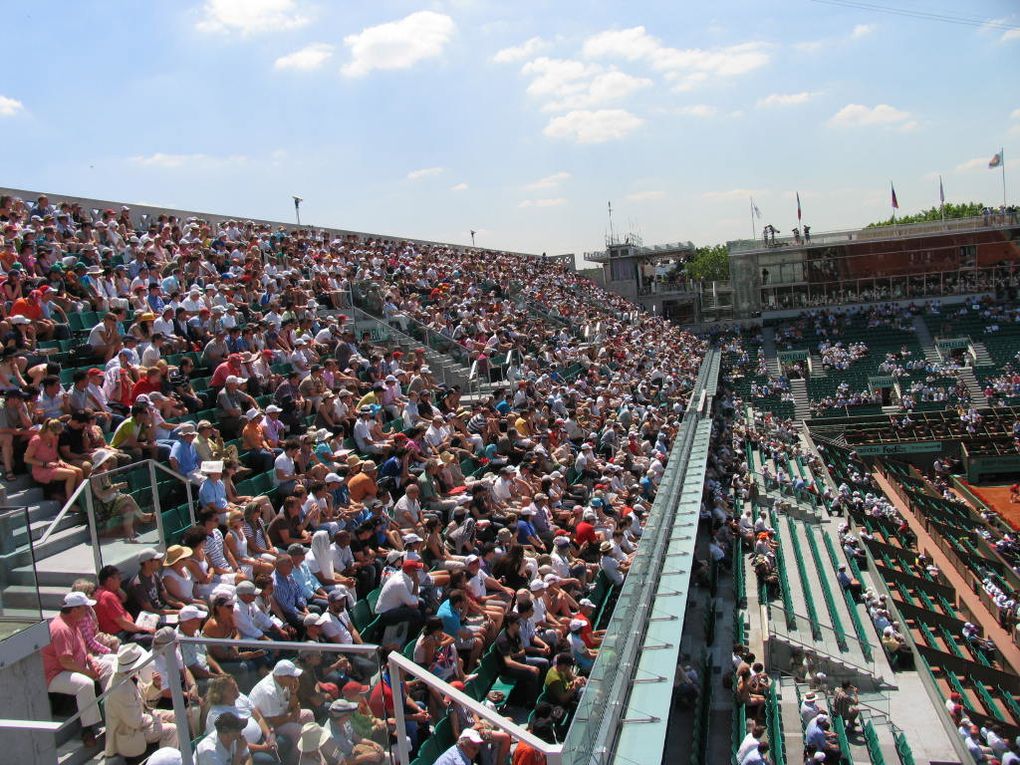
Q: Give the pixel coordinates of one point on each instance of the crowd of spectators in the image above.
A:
(477, 527)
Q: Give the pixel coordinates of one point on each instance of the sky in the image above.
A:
(519, 120)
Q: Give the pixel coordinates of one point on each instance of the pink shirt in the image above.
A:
(64, 640)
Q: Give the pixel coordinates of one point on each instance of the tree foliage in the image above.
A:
(963, 210)
(711, 263)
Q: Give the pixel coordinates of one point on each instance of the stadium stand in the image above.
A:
(298, 421)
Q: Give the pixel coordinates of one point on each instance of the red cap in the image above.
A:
(96, 371)
(235, 357)
(411, 565)
(353, 688)
(458, 684)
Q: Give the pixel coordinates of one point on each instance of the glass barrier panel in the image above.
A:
(20, 603)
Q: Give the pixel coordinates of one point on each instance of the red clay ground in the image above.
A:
(997, 497)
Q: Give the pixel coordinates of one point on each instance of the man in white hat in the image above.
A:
(275, 697)
(464, 751)
(68, 666)
(130, 726)
(183, 454)
(212, 493)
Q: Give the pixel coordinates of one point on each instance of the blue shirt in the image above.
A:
(453, 756)
(306, 580)
(524, 531)
(188, 461)
(450, 618)
(212, 493)
(288, 594)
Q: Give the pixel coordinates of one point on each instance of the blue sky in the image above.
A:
(520, 120)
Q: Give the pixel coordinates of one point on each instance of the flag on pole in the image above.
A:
(895, 202)
(942, 192)
(995, 161)
(755, 210)
(798, 207)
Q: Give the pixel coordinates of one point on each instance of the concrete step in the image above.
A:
(29, 597)
(789, 712)
(61, 540)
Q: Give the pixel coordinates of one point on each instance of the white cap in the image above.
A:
(470, 734)
(576, 624)
(75, 599)
(190, 611)
(286, 668)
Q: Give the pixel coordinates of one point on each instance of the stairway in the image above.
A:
(982, 358)
(817, 367)
(970, 381)
(769, 346)
(802, 405)
(927, 343)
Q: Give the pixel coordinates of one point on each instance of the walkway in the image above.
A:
(964, 594)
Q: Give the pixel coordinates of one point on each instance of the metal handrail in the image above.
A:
(152, 466)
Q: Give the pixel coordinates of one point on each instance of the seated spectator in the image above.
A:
(70, 669)
(43, 458)
(130, 725)
(275, 698)
(114, 618)
(146, 591)
(115, 511)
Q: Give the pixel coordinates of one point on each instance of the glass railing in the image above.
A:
(595, 725)
(822, 639)
(895, 230)
(20, 604)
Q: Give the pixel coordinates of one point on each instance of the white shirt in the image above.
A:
(245, 619)
(284, 464)
(343, 558)
(396, 592)
(210, 751)
(408, 506)
(269, 697)
(338, 627)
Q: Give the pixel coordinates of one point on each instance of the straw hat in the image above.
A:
(130, 657)
(175, 553)
(313, 738)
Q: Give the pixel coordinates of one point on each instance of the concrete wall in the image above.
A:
(23, 697)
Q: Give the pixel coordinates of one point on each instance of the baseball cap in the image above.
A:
(286, 668)
(247, 588)
(470, 734)
(75, 599)
(190, 611)
(149, 553)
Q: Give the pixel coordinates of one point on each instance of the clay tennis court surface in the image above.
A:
(997, 497)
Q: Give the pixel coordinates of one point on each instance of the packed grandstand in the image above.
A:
(452, 454)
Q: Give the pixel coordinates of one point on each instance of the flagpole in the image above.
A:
(1002, 154)
(754, 229)
(942, 200)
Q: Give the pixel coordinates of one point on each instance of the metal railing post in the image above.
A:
(157, 508)
(90, 514)
(169, 653)
(397, 681)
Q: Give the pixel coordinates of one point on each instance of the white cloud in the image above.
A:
(549, 182)
(398, 44)
(309, 57)
(552, 202)
(575, 84)
(525, 50)
(645, 196)
(881, 115)
(978, 163)
(859, 32)
(250, 17)
(166, 161)
(687, 68)
(785, 99)
(1010, 35)
(10, 106)
(459, 187)
(425, 172)
(697, 110)
(593, 126)
(1015, 114)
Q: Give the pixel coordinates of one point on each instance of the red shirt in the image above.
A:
(65, 640)
(525, 754)
(145, 385)
(586, 631)
(584, 532)
(109, 610)
(25, 307)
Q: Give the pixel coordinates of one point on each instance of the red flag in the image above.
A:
(895, 203)
(798, 207)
